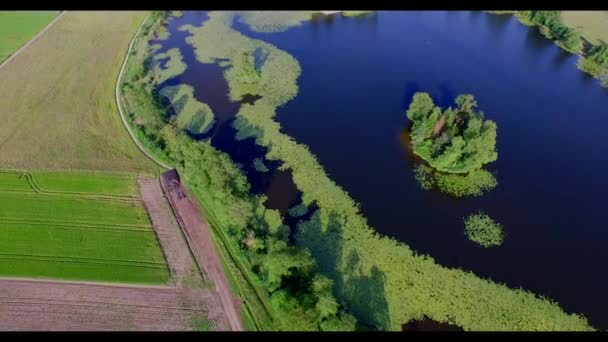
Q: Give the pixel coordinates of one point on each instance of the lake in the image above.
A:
(358, 76)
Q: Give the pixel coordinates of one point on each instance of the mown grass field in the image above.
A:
(18, 27)
(76, 226)
(594, 24)
(58, 103)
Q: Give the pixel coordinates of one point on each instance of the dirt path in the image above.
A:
(189, 216)
(10, 58)
(173, 243)
(49, 305)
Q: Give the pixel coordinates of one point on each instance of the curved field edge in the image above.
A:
(347, 248)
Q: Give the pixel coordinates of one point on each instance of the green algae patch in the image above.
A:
(173, 66)
(274, 21)
(190, 114)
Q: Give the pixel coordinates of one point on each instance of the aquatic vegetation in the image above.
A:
(383, 290)
(473, 183)
(454, 141)
(259, 165)
(174, 65)
(483, 230)
(298, 210)
(273, 21)
(355, 13)
(194, 116)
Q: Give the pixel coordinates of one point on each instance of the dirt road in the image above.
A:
(183, 270)
(197, 232)
(48, 305)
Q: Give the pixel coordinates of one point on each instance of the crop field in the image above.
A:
(594, 24)
(92, 228)
(18, 27)
(58, 102)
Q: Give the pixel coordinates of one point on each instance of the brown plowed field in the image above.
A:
(46, 305)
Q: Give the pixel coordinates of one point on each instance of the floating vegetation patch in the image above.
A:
(259, 165)
(173, 66)
(191, 115)
(355, 13)
(483, 230)
(474, 183)
(273, 21)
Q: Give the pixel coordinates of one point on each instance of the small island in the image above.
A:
(454, 140)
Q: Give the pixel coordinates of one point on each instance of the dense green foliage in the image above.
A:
(18, 27)
(92, 228)
(473, 183)
(301, 298)
(551, 26)
(455, 140)
(381, 281)
(594, 57)
(480, 228)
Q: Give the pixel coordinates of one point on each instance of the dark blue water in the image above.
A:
(358, 76)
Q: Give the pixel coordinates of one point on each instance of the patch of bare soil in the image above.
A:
(59, 306)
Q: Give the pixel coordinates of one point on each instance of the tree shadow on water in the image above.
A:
(359, 288)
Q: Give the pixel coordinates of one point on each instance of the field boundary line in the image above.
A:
(119, 102)
(90, 283)
(16, 53)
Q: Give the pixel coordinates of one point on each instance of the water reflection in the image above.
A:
(498, 23)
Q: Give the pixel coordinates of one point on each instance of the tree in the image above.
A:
(455, 141)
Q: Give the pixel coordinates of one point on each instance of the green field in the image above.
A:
(58, 101)
(593, 24)
(17, 28)
(76, 226)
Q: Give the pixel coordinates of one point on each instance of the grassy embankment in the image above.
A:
(77, 226)
(18, 27)
(383, 289)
